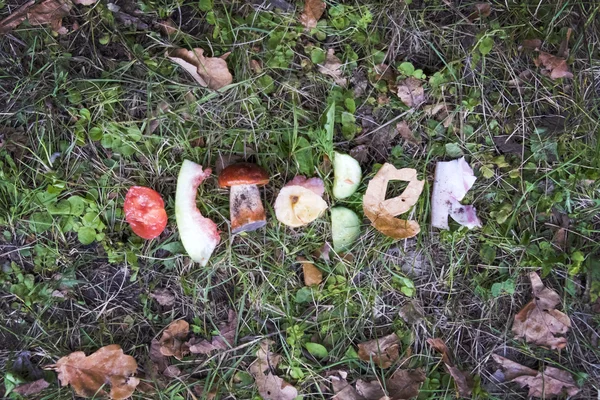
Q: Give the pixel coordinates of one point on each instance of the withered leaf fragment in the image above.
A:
(406, 134)
(381, 212)
(402, 385)
(553, 66)
(312, 275)
(463, 380)
(333, 67)
(90, 375)
(270, 386)
(411, 92)
(31, 388)
(223, 341)
(383, 351)
(313, 11)
(211, 72)
(542, 384)
(539, 322)
(48, 12)
(482, 10)
(173, 340)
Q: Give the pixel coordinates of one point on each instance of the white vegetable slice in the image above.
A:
(347, 175)
(345, 228)
(198, 234)
(298, 206)
(452, 181)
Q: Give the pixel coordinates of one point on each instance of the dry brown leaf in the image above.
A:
(531, 44)
(563, 51)
(543, 384)
(31, 388)
(173, 340)
(463, 380)
(313, 11)
(441, 112)
(107, 366)
(411, 92)
(15, 18)
(333, 68)
(406, 134)
(381, 212)
(270, 386)
(561, 234)
(48, 12)
(85, 2)
(386, 73)
(211, 72)
(403, 384)
(312, 275)
(553, 66)
(482, 10)
(224, 341)
(255, 66)
(383, 351)
(164, 297)
(539, 322)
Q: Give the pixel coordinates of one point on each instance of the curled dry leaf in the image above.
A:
(48, 12)
(270, 386)
(89, 375)
(539, 322)
(312, 274)
(411, 92)
(333, 67)
(173, 340)
(542, 384)
(452, 181)
(224, 341)
(463, 380)
(384, 351)
(553, 66)
(406, 134)
(299, 204)
(211, 72)
(31, 388)
(381, 212)
(313, 11)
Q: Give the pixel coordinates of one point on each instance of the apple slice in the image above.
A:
(347, 175)
(198, 234)
(345, 228)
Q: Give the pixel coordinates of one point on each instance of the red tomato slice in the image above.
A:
(145, 212)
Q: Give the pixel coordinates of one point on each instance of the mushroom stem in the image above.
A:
(246, 209)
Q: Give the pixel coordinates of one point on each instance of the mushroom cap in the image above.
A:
(243, 174)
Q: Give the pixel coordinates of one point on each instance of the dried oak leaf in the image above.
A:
(48, 12)
(383, 351)
(543, 384)
(31, 388)
(403, 384)
(107, 366)
(407, 134)
(224, 341)
(553, 66)
(211, 72)
(539, 322)
(270, 386)
(313, 11)
(173, 340)
(312, 274)
(411, 92)
(464, 382)
(159, 363)
(381, 212)
(333, 67)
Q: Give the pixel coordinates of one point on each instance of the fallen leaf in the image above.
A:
(224, 341)
(313, 11)
(482, 10)
(173, 340)
(270, 386)
(312, 275)
(531, 44)
(441, 112)
(452, 181)
(15, 18)
(463, 380)
(387, 74)
(255, 66)
(211, 72)
(543, 384)
(406, 134)
(381, 212)
(411, 312)
(323, 252)
(411, 92)
(164, 297)
(48, 12)
(508, 144)
(539, 322)
(160, 363)
(342, 390)
(553, 66)
(333, 67)
(297, 205)
(31, 388)
(563, 51)
(561, 234)
(107, 366)
(403, 384)
(384, 351)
